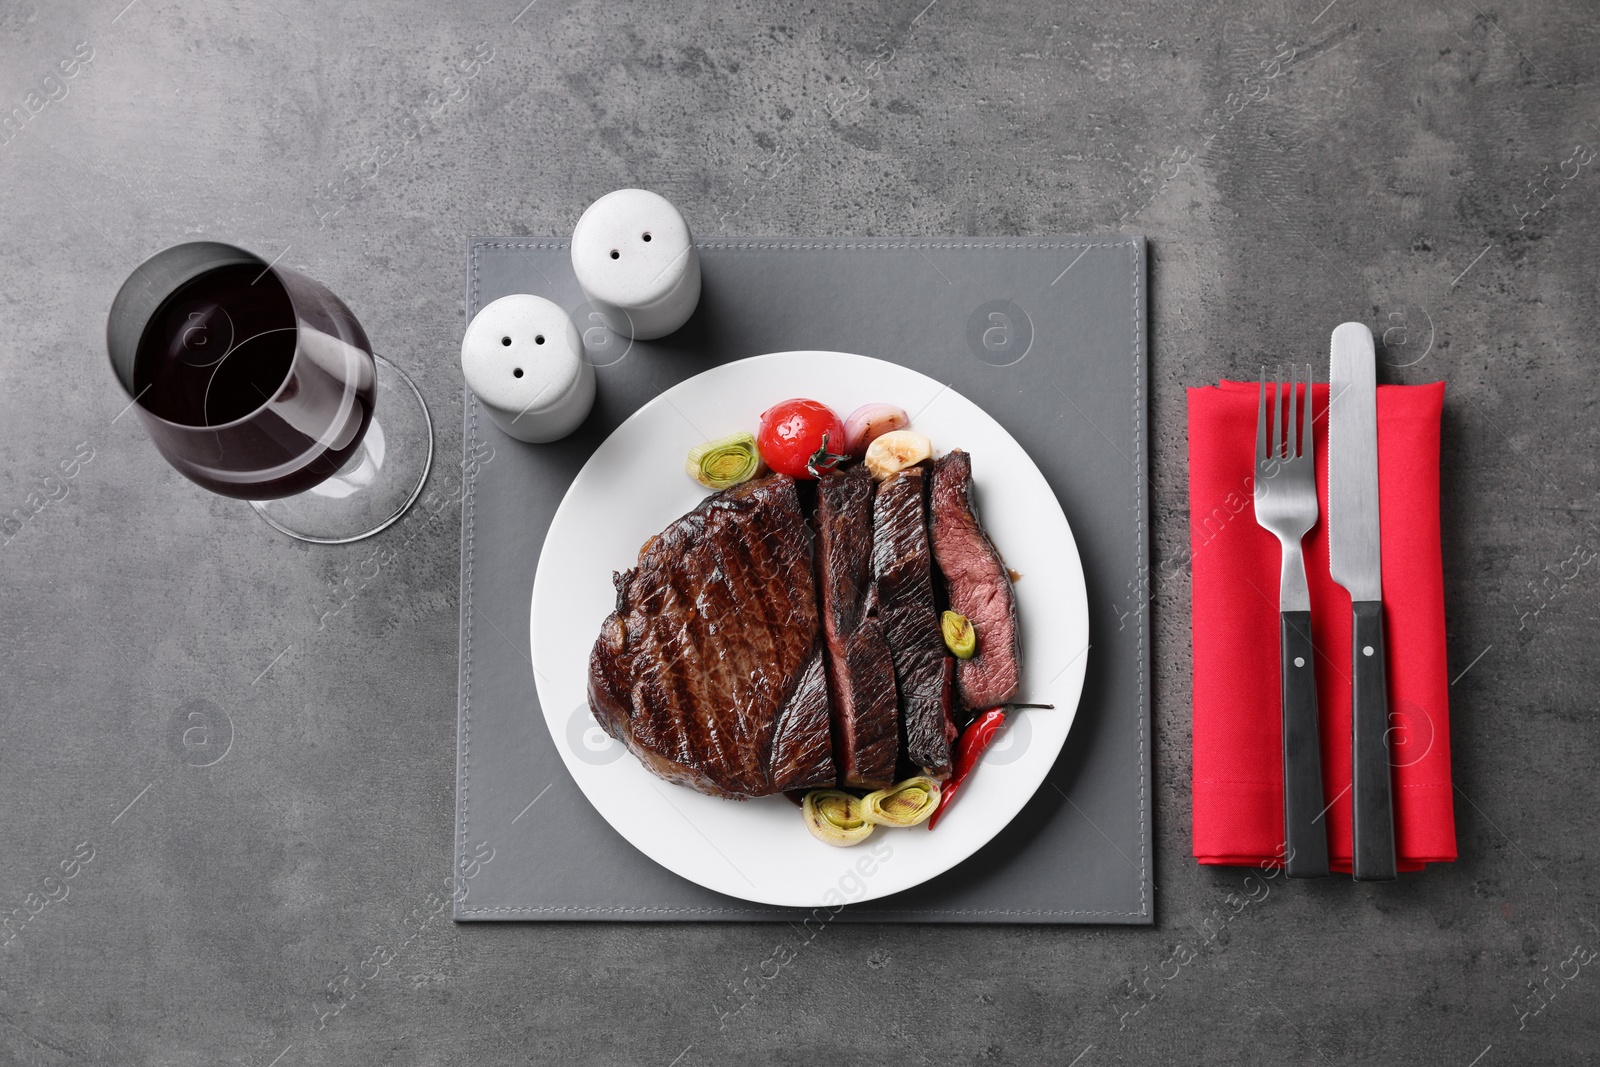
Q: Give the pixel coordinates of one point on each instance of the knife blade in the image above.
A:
(1355, 562)
(1354, 557)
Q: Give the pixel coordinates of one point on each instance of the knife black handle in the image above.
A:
(1305, 831)
(1372, 824)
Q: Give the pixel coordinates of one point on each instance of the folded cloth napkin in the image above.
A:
(1238, 762)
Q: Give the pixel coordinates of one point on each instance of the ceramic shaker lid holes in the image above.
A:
(523, 359)
(636, 262)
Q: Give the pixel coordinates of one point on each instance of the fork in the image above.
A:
(1286, 505)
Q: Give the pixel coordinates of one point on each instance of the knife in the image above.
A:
(1355, 563)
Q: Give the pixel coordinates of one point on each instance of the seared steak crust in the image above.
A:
(711, 668)
(861, 683)
(978, 585)
(903, 570)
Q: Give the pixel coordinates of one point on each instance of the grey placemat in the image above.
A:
(1046, 334)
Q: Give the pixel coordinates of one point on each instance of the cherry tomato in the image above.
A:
(793, 431)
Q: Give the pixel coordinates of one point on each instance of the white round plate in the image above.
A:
(634, 485)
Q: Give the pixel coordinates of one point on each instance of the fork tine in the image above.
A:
(1307, 447)
(1277, 404)
(1261, 418)
(1286, 396)
(1291, 444)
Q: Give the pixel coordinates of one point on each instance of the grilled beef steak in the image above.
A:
(866, 719)
(711, 668)
(978, 585)
(903, 570)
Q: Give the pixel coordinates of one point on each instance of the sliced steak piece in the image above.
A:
(903, 568)
(866, 717)
(979, 588)
(930, 735)
(711, 668)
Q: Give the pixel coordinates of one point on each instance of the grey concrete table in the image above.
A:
(257, 812)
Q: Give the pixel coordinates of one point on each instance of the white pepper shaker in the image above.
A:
(523, 358)
(636, 262)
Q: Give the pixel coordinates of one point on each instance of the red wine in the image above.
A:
(218, 348)
(267, 399)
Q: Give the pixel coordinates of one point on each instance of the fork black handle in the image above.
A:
(1305, 831)
(1372, 821)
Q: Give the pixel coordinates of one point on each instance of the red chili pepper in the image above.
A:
(975, 739)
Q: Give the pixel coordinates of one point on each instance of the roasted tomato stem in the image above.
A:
(823, 460)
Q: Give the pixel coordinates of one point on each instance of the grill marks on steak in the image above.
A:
(978, 585)
(861, 677)
(903, 570)
(711, 668)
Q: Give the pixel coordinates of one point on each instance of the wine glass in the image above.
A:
(257, 382)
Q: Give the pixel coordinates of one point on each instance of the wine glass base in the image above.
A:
(377, 484)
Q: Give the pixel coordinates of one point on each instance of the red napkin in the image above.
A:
(1238, 762)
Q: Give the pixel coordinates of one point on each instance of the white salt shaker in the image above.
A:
(636, 262)
(523, 358)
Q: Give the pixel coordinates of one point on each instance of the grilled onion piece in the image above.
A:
(725, 462)
(835, 817)
(905, 803)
